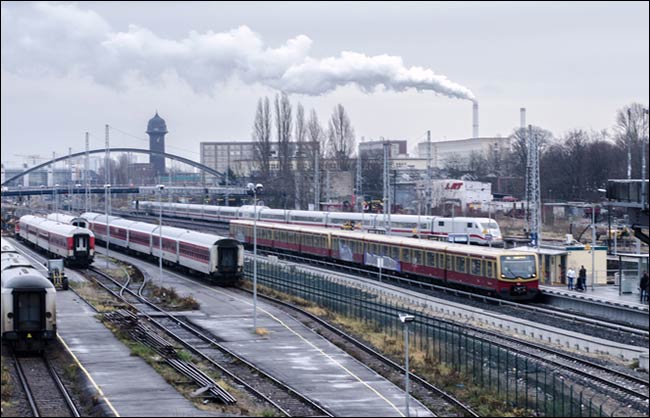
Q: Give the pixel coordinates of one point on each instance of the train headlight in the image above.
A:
(10, 315)
(48, 315)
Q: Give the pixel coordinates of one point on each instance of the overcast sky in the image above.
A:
(398, 68)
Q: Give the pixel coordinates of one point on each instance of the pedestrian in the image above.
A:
(643, 287)
(571, 275)
(582, 278)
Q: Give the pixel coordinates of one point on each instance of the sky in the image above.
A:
(399, 69)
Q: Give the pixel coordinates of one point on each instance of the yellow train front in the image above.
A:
(506, 274)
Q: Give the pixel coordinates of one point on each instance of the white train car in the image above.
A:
(7, 247)
(74, 244)
(477, 230)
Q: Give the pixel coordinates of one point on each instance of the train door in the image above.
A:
(227, 258)
(29, 310)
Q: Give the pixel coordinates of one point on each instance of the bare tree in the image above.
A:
(316, 151)
(262, 137)
(283, 124)
(631, 128)
(301, 155)
(341, 138)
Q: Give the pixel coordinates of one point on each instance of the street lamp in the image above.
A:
(253, 190)
(160, 188)
(77, 186)
(107, 187)
(406, 320)
(56, 198)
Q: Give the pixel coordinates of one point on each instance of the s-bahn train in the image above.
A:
(28, 303)
(74, 244)
(507, 274)
(220, 258)
(478, 230)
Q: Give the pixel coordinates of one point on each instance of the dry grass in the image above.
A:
(170, 299)
(97, 296)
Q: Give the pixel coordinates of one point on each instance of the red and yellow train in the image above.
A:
(506, 274)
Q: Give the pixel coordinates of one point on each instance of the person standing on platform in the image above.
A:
(643, 287)
(582, 278)
(570, 275)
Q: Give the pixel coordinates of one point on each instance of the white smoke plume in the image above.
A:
(62, 39)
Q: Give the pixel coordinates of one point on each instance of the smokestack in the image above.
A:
(475, 119)
(522, 117)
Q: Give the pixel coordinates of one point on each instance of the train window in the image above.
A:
(476, 267)
(489, 269)
(469, 224)
(441, 223)
(385, 250)
(372, 248)
(406, 255)
(460, 264)
(431, 259)
(417, 257)
(394, 253)
(448, 265)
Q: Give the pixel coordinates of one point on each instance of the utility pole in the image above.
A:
(317, 175)
(107, 169)
(533, 187)
(86, 179)
(429, 176)
(70, 181)
(359, 191)
(386, 188)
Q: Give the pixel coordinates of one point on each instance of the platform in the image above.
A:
(289, 351)
(132, 387)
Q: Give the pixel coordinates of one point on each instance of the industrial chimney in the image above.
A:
(475, 119)
(522, 118)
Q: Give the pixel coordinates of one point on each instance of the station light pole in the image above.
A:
(254, 189)
(406, 320)
(160, 188)
(107, 187)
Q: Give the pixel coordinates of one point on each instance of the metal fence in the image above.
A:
(510, 377)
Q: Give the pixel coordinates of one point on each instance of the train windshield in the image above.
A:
(518, 267)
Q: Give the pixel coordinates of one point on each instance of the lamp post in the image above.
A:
(593, 245)
(107, 187)
(160, 188)
(406, 320)
(254, 190)
(56, 198)
(77, 186)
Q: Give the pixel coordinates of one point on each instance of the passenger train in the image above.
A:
(74, 244)
(68, 219)
(478, 230)
(507, 274)
(28, 303)
(220, 258)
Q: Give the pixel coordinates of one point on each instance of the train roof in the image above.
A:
(387, 239)
(13, 260)
(7, 248)
(25, 278)
(63, 218)
(56, 227)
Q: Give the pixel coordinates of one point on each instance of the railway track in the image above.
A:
(549, 314)
(596, 327)
(46, 394)
(287, 400)
(443, 403)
